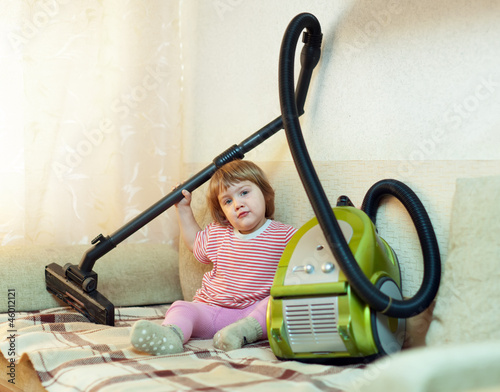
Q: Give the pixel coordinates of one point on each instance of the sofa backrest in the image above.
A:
(432, 181)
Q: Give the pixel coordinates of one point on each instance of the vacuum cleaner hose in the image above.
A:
(322, 208)
(425, 232)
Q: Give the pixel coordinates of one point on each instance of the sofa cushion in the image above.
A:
(468, 303)
(131, 274)
(190, 270)
(470, 367)
(351, 178)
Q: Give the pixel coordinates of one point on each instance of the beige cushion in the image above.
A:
(471, 367)
(131, 274)
(352, 178)
(468, 303)
(190, 270)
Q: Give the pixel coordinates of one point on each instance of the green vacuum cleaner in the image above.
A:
(337, 294)
(315, 314)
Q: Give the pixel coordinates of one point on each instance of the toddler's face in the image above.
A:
(244, 205)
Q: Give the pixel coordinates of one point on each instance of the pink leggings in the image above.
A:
(199, 320)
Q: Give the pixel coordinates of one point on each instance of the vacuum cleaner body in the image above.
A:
(313, 313)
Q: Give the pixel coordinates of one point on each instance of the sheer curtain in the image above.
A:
(90, 118)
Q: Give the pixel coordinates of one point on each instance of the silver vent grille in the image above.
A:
(312, 325)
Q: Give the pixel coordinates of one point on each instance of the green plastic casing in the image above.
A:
(354, 320)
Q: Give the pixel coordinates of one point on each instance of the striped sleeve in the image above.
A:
(200, 245)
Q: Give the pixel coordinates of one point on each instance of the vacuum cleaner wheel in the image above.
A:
(388, 332)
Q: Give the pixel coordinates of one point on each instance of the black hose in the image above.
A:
(425, 231)
(321, 206)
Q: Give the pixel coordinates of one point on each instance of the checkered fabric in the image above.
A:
(70, 354)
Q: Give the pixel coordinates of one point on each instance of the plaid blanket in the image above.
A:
(70, 354)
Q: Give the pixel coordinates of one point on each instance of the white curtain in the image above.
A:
(90, 118)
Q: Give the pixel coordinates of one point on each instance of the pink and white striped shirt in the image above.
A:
(243, 265)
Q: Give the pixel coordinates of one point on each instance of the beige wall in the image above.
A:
(404, 81)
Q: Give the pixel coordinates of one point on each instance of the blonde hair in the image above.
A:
(232, 173)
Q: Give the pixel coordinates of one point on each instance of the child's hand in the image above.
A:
(186, 202)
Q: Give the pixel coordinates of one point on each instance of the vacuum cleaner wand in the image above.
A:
(76, 285)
